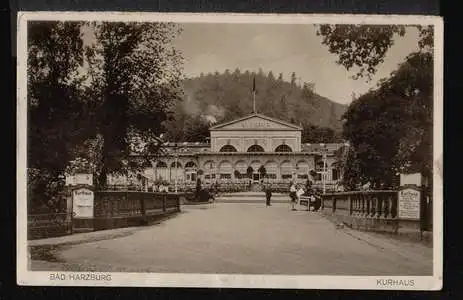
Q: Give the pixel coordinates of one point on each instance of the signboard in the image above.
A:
(82, 203)
(410, 179)
(77, 179)
(409, 204)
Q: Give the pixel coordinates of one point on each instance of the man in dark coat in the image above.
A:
(268, 194)
(198, 187)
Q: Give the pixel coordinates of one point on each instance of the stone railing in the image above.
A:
(134, 203)
(374, 204)
(369, 210)
(115, 209)
(46, 225)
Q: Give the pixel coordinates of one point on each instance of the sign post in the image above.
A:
(409, 202)
(82, 208)
(81, 200)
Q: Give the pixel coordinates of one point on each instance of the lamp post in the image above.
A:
(176, 165)
(343, 162)
(324, 167)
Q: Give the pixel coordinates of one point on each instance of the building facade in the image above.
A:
(247, 150)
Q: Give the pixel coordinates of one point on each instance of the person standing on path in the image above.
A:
(299, 193)
(268, 194)
(292, 194)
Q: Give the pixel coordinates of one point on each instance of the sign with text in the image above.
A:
(82, 203)
(78, 179)
(410, 179)
(409, 204)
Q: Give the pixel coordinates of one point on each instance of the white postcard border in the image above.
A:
(26, 277)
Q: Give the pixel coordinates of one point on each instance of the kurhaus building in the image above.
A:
(248, 149)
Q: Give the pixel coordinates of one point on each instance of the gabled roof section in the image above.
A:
(256, 122)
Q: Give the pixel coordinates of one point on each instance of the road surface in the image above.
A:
(246, 239)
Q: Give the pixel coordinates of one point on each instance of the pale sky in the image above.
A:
(283, 49)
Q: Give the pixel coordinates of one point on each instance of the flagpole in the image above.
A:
(254, 95)
(253, 101)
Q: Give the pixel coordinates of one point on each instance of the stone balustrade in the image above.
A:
(368, 210)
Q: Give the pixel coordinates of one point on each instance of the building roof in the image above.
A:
(318, 148)
(286, 125)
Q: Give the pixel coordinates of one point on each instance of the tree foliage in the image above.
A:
(364, 47)
(390, 128)
(57, 108)
(135, 80)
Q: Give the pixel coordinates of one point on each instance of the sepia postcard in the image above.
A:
(292, 151)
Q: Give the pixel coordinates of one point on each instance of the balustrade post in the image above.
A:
(387, 206)
(359, 205)
(368, 206)
(379, 207)
(142, 204)
(164, 203)
(362, 204)
(373, 200)
(349, 200)
(394, 206)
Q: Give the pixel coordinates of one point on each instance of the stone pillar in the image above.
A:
(83, 208)
(409, 204)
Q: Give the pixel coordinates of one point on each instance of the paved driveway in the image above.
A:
(246, 239)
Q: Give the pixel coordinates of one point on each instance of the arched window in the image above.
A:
(286, 169)
(320, 167)
(271, 168)
(228, 148)
(190, 165)
(255, 148)
(302, 169)
(283, 148)
(225, 170)
(255, 165)
(209, 170)
(161, 164)
(172, 165)
(209, 165)
(161, 171)
(241, 166)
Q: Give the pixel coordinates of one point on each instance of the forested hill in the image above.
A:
(227, 96)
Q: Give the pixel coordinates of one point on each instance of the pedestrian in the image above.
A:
(198, 188)
(292, 195)
(268, 194)
(299, 193)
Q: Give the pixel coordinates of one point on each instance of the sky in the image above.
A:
(281, 48)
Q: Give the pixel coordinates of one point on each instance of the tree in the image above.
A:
(236, 74)
(270, 76)
(293, 78)
(56, 104)
(365, 46)
(135, 78)
(391, 127)
(233, 99)
(196, 129)
(316, 134)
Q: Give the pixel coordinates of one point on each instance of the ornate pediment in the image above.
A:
(257, 122)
